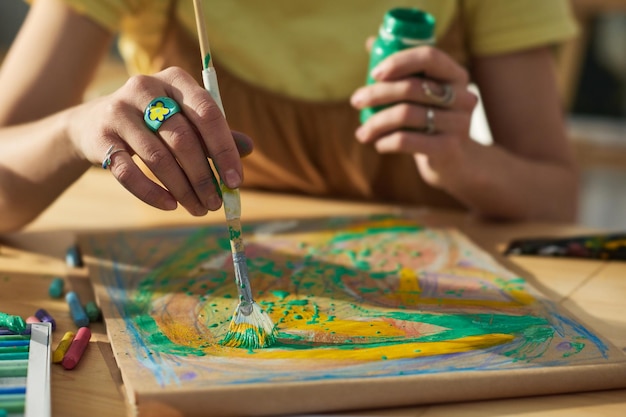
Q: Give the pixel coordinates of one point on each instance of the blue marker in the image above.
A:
(76, 310)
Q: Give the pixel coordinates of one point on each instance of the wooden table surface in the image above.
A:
(594, 291)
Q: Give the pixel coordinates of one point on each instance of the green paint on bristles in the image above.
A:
(207, 60)
(246, 337)
(253, 331)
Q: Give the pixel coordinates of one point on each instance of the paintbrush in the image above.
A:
(250, 327)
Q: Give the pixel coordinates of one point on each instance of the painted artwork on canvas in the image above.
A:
(353, 298)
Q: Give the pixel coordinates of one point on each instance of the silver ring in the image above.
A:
(445, 99)
(430, 121)
(106, 162)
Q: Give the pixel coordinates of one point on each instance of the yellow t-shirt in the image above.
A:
(315, 50)
(286, 69)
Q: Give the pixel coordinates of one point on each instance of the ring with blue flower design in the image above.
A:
(158, 111)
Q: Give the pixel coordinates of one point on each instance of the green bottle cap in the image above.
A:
(409, 23)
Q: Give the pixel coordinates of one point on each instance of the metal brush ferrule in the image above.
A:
(241, 277)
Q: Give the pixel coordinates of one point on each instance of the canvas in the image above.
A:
(373, 311)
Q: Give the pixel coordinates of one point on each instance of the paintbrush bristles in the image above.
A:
(253, 331)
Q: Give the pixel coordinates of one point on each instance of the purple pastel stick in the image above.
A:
(45, 317)
(7, 332)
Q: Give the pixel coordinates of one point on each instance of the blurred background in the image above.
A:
(593, 82)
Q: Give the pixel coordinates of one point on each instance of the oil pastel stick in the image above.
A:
(15, 324)
(32, 319)
(12, 356)
(93, 311)
(55, 290)
(13, 336)
(13, 342)
(73, 257)
(79, 316)
(13, 404)
(62, 347)
(45, 317)
(18, 370)
(8, 332)
(12, 390)
(77, 348)
(15, 362)
(13, 349)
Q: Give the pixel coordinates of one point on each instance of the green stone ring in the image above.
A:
(158, 111)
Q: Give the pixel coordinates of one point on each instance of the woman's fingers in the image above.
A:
(425, 60)
(422, 95)
(186, 146)
(160, 158)
(415, 90)
(207, 118)
(405, 116)
(174, 142)
(134, 180)
(177, 149)
(243, 142)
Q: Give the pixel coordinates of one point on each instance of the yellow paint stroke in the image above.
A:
(182, 334)
(300, 319)
(409, 287)
(389, 351)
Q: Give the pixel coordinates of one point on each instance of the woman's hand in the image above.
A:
(176, 153)
(427, 115)
(528, 173)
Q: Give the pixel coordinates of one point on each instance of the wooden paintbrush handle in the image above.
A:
(234, 233)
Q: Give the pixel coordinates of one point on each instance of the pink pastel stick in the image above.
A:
(33, 319)
(76, 349)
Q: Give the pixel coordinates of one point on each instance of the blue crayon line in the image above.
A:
(14, 342)
(12, 390)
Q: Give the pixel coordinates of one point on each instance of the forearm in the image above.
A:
(502, 185)
(37, 163)
(531, 168)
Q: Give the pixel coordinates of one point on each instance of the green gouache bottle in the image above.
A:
(402, 28)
